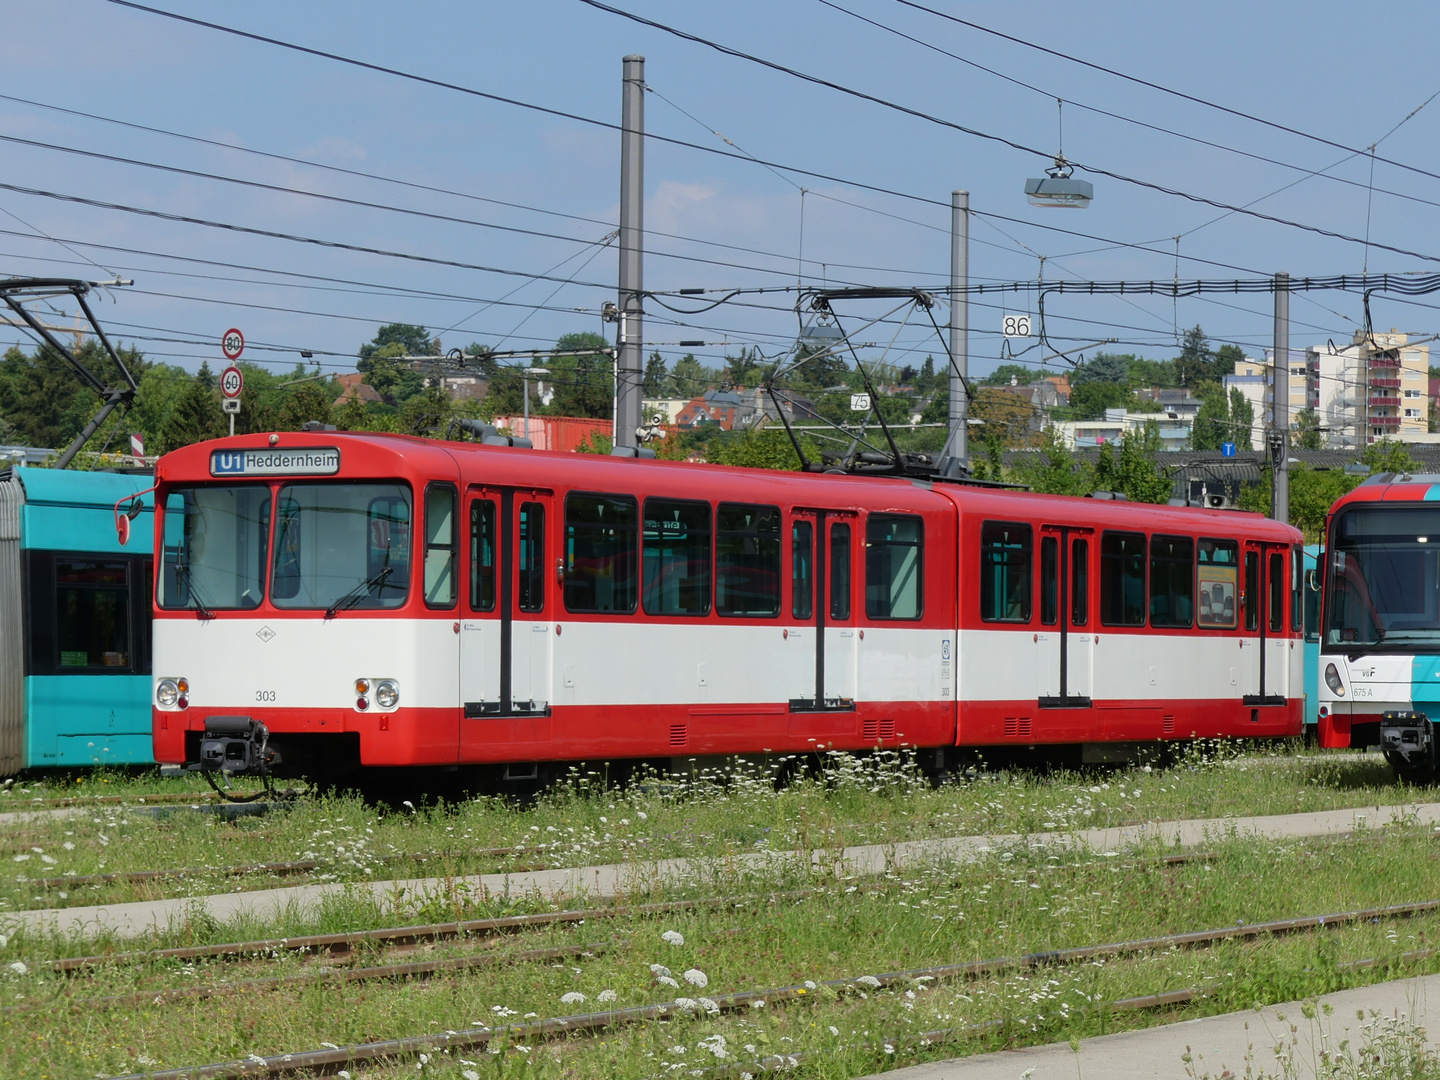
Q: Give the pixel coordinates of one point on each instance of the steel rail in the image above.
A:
(385, 1049)
(345, 943)
(419, 969)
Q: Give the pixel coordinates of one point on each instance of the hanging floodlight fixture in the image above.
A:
(1058, 187)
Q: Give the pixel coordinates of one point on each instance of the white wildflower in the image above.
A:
(68, 845)
(810, 985)
(710, 1005)
(48, 860)
(696, 977)
(22, 858)
(666, 980)
(870, 981)
(470, 1074)
(834, 1031)
(674, 937)
(605, 995)
(687, 1004)
(758, 1003)
(642, 815)
(19, 968)
(574, 997)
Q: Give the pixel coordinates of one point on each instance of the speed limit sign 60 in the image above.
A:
(231, 382)
(232, 344)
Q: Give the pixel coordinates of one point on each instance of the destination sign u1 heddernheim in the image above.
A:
(312, 461)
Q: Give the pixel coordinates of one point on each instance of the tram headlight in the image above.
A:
(1332, 680)
(387, 694)
(167, 692)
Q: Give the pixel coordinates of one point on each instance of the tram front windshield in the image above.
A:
(1382, 580)
(335, 546)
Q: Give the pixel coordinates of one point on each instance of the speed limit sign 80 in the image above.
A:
(232, 344)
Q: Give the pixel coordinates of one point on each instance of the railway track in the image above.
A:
(328, 1060)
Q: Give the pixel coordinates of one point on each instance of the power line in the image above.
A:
(976, 133)
(1157, 86)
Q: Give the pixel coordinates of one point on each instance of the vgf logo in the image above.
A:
(227, 461)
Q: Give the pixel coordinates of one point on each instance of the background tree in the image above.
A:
(1242, 419)
(657, 376)
(1211, 426)
(1307, 430)
(196, 415)
(584, 384)
(401, 339)
(1056, 470)
(1007, 417)
(1135, 470)
(1001, 376)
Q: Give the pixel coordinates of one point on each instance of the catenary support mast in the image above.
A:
(629, 364)
(1280, 414)
(957, 445)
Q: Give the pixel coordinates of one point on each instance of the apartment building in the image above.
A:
(1372, 389)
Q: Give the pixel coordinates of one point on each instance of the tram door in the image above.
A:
(1066, 561)
(1266, 583)
(505, 633)
(823, 550)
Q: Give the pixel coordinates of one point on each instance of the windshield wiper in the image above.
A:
(1358, 653)
(201, 609)
(358, 593)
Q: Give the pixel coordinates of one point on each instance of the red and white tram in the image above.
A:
(329, 600)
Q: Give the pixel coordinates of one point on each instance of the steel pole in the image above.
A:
(957, 445)
(628, 364)
(1280, 414)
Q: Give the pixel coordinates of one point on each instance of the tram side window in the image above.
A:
(1218, 573)
(894, 558)
(1049, 579)
(1277, 592)
(531, 571)
(92, 614)
(747, 560)
(600, 552)
(1172, 581)
(1005, 572)
(840, 571)
(482, 555)
(676, 557)
(441, 540)
(1122, 579)
(802, 570)
(1079, 582)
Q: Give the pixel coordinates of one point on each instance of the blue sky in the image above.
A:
(1337, 71)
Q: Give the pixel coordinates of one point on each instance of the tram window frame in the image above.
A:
(1049, 580)
(623, 586)
(739, 526)
(802, 569)
(1222, 574)
(1297, 589)
(882, 572)
(1080, 581)
(1252, 590)
(1113, 587)
(659, 555)
(1169, 564)
(484, 528)
(442, 554)
(1014, 562)
(530, 557)
(841, 569)
(1275, 586)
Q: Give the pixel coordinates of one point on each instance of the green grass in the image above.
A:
(855, 801)
(1015, 902)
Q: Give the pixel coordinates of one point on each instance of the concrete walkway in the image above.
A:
(582, 884)
(1217, 1043)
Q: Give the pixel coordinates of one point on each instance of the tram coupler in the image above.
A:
(1408, 739)
(233, 744)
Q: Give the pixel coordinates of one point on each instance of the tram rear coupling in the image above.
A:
(233, 744)
(1407, 739)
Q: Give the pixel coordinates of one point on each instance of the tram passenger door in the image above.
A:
(1267, 668)
(505, 632)
(1065, 617)
(822, 594)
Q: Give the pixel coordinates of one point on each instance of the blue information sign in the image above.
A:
(1227, 449)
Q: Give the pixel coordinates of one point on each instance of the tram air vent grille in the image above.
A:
(878, 729)
(1017, 727)
(679, 734)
